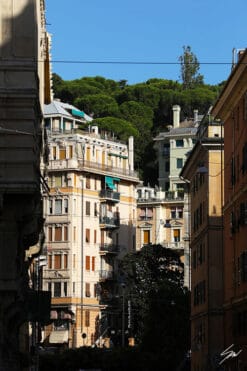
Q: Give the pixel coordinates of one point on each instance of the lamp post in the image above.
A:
(123, 315)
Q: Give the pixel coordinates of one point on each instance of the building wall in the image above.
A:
(231, 109)
(80, 167)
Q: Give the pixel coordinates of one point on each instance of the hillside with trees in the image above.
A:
(142, 109)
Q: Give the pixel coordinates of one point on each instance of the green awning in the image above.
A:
(78, 113)
(109, 182)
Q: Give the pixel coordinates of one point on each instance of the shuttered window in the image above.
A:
(93, 263)
(88, 263)
(49, 233)
(65, 261)
(58, 233)
(65, 233)
(62, 154)
(87, 318)
(146, 237)
(57, 261)
(87, 235)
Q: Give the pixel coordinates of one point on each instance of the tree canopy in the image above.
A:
(145, 108)
(160, 303)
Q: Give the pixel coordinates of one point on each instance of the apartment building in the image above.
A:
(170, 216)
(203, 172)
(90, 217)
(231, 110)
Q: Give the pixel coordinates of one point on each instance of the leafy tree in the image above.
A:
(100, 105)
(189, 69)
(146, 271)
(121, 128)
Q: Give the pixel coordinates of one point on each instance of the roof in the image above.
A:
(59, 108)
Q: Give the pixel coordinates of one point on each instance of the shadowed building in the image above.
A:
(231, 109)
(22, 74)
(203, 173)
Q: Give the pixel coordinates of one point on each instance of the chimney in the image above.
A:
(195, 116)
(176, 116)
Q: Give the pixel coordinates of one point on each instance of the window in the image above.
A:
(73, 285)
(87, 318)
(88, 263)
(66, 206)
(95, 209)
(62, 153)
(74, 260)
(74, 234)
(179, 163)
(88, 208)
(199, 293)
(50, 206)
(57, 289)
(57, 261)
(93, 263)
(65, 289)
(87, 238)
(58, 180)
(49, 286)
(179, 143)
(146, 237)
(58, 233)
(49, 234)
(58, 207)
(70, 151)
(65, 261)
(87, 182)
(49, 262)
(95, 236)
(54, 152)
(87, 290)
(176, 235)
(65, 233)
(167, 166)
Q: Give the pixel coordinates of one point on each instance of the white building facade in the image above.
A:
(90, 217)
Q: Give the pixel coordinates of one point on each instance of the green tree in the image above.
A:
(122, 129)
(100, 105)
(190, 69)
(146, 271)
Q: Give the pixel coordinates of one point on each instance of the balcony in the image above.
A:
(109, 195)
(174, 195)
(106, 275)
(108, 249)
(174, 245)
(107, 222)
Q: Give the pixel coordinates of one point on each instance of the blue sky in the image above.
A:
(144, 31)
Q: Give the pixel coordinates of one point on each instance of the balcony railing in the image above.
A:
(106, 275)
(109, 222)
(108, 248)
(85, 165)
(174, 245)
(174, 195)
(110, 195)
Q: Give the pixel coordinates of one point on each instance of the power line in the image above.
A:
(134, 62)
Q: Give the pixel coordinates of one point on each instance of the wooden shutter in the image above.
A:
(88, 263)
(146, 237)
